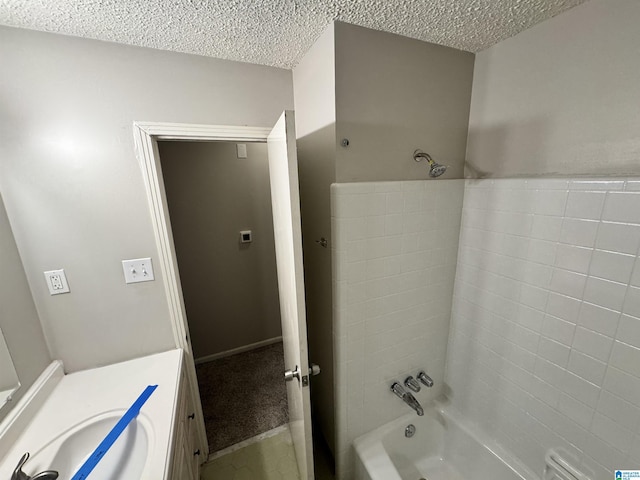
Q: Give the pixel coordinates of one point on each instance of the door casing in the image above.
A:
(146, 137)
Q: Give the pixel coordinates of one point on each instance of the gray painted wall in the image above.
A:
(19, 320)
(230, 289)
(73, 186)
(395, 95)
(388, 95)
(314, 93)
(560, 98)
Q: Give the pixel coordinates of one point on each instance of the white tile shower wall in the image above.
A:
(394, 258)
(544, 349)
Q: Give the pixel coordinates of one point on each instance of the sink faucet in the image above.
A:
(18, 474)
(407, 398)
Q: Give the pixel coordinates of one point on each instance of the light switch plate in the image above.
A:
(56, 282)
(138, 270)
(242, 150)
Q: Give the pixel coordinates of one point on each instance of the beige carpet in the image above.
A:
(243, 395)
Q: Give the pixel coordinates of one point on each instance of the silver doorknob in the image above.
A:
(314, 369)
(290, 375)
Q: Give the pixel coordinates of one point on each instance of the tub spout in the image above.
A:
(415, 405)
(407, 398)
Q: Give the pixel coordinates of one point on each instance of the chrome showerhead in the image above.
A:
(435, 168)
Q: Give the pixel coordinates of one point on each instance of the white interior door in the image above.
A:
(285, 200)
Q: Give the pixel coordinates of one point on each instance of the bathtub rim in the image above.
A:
(369, 445)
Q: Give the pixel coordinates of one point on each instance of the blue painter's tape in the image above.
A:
(113, 435)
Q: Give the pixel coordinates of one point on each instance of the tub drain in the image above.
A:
(409, 432)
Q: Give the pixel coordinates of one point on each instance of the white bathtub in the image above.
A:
(442, 448)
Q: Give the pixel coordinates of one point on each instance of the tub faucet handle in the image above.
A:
(398, 390)
(412, 384)
(426, 379)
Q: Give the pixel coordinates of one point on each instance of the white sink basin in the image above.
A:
(63, 418)
(125, 459)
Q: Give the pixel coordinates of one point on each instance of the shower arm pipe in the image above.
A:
(418, 155)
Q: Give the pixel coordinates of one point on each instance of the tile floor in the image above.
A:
(270, 459)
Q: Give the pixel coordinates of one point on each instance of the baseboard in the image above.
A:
(245, 348)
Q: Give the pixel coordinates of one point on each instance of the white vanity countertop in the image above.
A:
(82, 395)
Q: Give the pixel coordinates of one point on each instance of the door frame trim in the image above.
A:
(146, 136)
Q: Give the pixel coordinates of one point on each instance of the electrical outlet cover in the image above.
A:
(56, 282)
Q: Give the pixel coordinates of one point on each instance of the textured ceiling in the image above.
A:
(276, 32)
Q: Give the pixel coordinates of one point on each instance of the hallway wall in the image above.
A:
(230, 288)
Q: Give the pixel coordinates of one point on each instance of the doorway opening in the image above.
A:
(219, 201)
(283, 176)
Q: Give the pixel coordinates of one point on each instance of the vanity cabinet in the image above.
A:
(187, 452)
